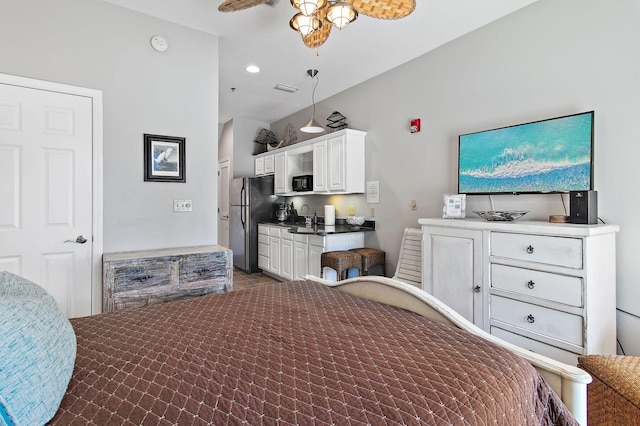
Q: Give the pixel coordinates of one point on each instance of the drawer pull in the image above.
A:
(477, 289)
(531, 284)
(203, 271)
(530, 319)
(530, 249)
(141, 278)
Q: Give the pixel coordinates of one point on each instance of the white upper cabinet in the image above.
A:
(320, 166)
(280, 169)
(336, 161)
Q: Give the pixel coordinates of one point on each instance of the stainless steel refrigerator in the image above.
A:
(251, 201)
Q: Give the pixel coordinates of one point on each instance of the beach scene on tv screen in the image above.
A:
(545, 156)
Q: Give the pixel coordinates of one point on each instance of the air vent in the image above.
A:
(286, 88)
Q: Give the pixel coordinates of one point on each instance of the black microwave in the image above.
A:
(302, 183)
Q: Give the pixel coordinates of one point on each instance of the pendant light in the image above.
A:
(341, 14)
(312, 125)
(304, 24)
(308, 7)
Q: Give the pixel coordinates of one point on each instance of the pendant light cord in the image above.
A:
(313, 95)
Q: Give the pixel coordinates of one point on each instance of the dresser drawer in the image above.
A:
(201, 268)
(559, 251)
(140, 275)
(536, 346)
(263, 229)
(286, 235)
(263, 248)
(548, 322)
(263, 239)
(274, 231)
(544, 285)
(301, 238)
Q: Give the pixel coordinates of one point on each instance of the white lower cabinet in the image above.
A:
(286, 255)
(292, 256)
(263, 247)
(300, 256)
(453, 271)
(549, 288)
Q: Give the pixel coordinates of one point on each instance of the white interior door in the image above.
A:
(224, 169)
(46, 191)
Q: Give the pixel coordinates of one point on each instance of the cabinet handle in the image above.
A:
(141, 278)
(531, 284)
(530, 319)
(530, 249)
(477, 289)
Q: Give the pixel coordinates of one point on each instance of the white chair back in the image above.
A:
(409, 267)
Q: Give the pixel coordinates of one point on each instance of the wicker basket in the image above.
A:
(613, 397)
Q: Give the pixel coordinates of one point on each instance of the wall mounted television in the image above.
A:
(547, 156)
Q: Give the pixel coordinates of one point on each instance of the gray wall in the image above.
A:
(94, 44)
(552, 58)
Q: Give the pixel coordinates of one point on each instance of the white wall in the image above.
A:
(549, 59)
(94, 44)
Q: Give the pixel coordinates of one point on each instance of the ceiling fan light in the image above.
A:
(305, 25)
(341, 14)
(308, 7)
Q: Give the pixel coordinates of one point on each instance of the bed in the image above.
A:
(309, 352)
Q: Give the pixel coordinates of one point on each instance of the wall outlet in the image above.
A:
(352, 210)
(182, 206)
(414, 205)
(373, 212)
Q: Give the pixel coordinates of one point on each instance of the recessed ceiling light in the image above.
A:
(252, 69)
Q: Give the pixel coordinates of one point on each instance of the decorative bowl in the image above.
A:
(501, 215)
(355, 220)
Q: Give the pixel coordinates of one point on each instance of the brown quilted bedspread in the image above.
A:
(295, 353)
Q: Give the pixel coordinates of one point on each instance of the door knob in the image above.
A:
(81, 239)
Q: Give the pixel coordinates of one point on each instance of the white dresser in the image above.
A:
(546, 287)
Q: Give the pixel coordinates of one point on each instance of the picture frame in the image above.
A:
(164, 158)
(454, 206)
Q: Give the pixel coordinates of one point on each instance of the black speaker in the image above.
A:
(583, 207)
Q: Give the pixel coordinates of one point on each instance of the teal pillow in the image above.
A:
(37, 352)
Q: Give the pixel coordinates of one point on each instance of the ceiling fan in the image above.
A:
(316, 17)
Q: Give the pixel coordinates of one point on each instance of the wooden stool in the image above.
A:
(371, 257)
(340, 261)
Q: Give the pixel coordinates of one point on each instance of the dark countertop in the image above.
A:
(341, 227)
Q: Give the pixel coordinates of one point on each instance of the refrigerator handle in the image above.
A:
(243, 205)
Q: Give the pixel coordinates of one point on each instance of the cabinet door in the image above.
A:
(320, 166)
(300, 260)
(452, 270)
(259, 166)
(274, 255)
(315, 253)
(280, 171)
(336, 164)
(286, 259)
(268, 165)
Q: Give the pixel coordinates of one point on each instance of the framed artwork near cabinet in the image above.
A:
(164, 158)
(454, 206)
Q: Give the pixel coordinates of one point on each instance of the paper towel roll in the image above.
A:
(329, 215)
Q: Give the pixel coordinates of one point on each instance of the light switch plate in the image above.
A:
(352, 210)
(182, 206)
